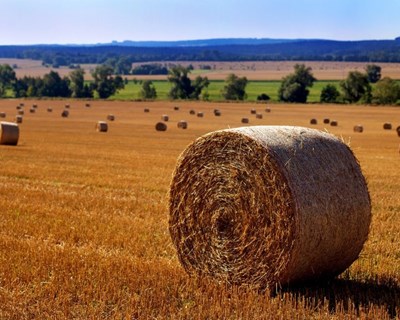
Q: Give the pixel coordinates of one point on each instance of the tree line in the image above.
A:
(294, 88)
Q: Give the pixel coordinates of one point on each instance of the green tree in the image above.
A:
(329, 94)
(235, 88)
(148, 90)
(386, 91)
(294, 87)
(373, 73)
(104, 82)
(182, 87)
(7, 78)
(55, 86)
(356, 88)
(77, 84)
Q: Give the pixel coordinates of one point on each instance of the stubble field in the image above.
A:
(84, 216)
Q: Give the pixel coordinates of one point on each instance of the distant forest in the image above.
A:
(301, 50)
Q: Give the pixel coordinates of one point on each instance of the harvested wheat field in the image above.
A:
(84, 226)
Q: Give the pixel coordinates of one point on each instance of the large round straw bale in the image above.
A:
(268, 205)
(161, 126)
(334, 123)
(2, 114)
(326, 120)
(245, 120)
(398, 131)
(18, 119)
(65, 114)
(111, 117)
(164, 117)
(358, 128)
(101, 126)
(9, 133)
(313, 121)
(182, 124)
(387, 126)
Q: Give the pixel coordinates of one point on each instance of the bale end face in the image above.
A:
(9, 133)
(263, 206)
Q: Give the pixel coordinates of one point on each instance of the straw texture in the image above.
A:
(268, 205)
(9, 133)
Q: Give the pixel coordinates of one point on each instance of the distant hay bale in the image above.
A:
(21, 112)
(217, 112)
(313, 121)
(32, 110)
(259, 116)
(34, 106)
(387, 126)
(9, 133)
(200, 114)
(398, 131)
(111, 117)
(326, 121)
(182, 124)
(101, 126)
(22, 104)
(192, 112)
(358, 128)
(18, 107)
(334, 123)
(146, 110)
(245, 120)
(268, 205)
(176, 108)
(253, 111)
(87, 105)
(49, 109)
(267, 110)
(65, 114)
(18, 119)
(164, 117)
(161, 126)
(2, 114)
(67, 106)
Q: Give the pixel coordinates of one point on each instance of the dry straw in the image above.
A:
(358, 128)
(182, 124)
(9, 133)
(161, 126)
(268, 205)
(18, 119)
(101, 126)
(387, 126)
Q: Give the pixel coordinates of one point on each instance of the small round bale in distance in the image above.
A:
(326, 121)
(253, 111)
(334, 123)
(398, 131)
(259, 116)
(9, 133)
(101, 126)
(164, 117)
(18, 119)
(268, 205)
(358, 128)
(245, 120)
(161, 126)
(2, 114)
(387, 126)
(268, 109)
(182, 124)
(111, 117)
(192, 111)
(217, 112)
(146, 110)
(65, 114)
(313, 121)
(200, 114)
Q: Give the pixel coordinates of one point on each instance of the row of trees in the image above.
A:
(104, 84)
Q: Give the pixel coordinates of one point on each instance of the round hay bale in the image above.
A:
(146, 110)
(87, 105)
(192, 112)
(67, 106)
(334, 123)
(164, 117)
(387, 126)
(259, 116)
(161, 126)
(313, 121)
(111, 117)
(200, 114)
(358, 128)
(18, 107)
(21, 112)
(245, 120)
(101, 126)
(253, 111)
(32, 110)
(18, 119)
(65, 114)
(9, 133)
(182, 124)
(398, 131)
(267, 110)
(176, 108)
(49, 109)
(268, 205)
(217, 112)
(326, 121)
(2, 114)
(22, 104)
(34, 106)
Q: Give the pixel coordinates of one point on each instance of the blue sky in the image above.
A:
(94, 21)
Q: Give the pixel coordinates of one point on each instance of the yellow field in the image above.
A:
(84, 218)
